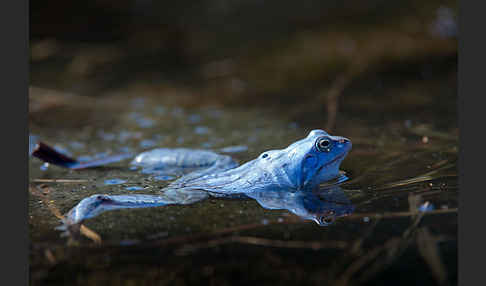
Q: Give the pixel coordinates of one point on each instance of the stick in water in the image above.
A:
(52, 156)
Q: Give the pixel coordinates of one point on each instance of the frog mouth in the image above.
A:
(304, 181)
(341, 156)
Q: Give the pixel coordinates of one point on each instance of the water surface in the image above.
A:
(403, 187)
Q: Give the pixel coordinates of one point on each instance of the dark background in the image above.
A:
(284, 54)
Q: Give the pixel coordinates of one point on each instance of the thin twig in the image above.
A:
(397, 247)
(362, 262)
(50, 257)
(338, 87)
(55, 211)
(357, 245)
(398, 214)
(332, 99)
(59, 181)
(427, 247)
(314, 245)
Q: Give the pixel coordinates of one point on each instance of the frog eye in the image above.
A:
(323, 145)
(328, 219)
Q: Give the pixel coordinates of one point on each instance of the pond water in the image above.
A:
(402, 183)
(240, 78)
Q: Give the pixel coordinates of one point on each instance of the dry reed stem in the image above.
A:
(55, 211)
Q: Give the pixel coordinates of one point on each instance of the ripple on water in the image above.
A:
(207, 145)
(134, 188)
(177, 111)
(164, 178)
(293, 125)
(234, 149)
(145, 122)
(158, 137)
(140, 120)
(125, 149)
(77, 145)
(138, 102)
(160, 110)
(147, 143)
(201, 130)
(252, 138)
(114, 181)
(124, 136)
(106, 135)
(194, 118)
(128, 242)
(215, 113)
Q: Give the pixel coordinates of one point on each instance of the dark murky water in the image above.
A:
(397, 104)
(394, 172)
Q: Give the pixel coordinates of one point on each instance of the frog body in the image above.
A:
(282, 179)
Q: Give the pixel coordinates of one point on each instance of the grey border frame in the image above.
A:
(14, 118)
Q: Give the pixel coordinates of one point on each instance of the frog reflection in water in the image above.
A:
(277, 179)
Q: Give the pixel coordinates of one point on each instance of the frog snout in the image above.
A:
(344, 142)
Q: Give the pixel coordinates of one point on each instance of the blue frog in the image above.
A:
(277, 179)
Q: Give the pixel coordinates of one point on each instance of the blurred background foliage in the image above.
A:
(294, 54)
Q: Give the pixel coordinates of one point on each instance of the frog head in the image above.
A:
(309, 161)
